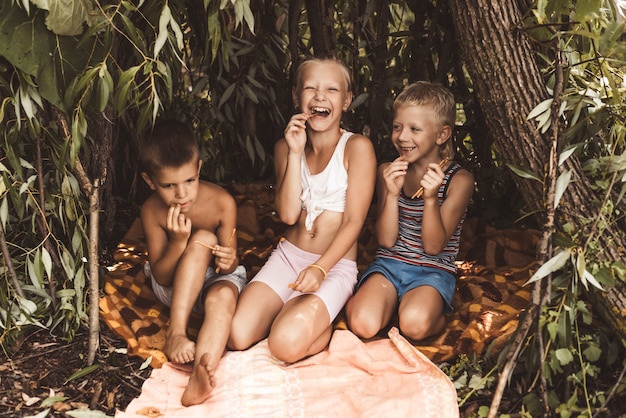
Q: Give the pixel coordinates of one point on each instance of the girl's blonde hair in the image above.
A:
(343, 68)
(440, 99)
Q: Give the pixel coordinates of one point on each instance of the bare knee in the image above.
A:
(201, 239)
(221, 299)
(362, 323)
(240, 338)
(418, 325)
(286, 347)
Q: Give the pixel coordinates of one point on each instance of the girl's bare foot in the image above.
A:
(201, 382)
(180, 349)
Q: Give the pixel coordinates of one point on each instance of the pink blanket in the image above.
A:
(386, 377)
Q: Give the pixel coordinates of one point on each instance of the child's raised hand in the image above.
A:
(394, 175)
(432, 180)
(178, 226)
(225, 258)
(295, 133)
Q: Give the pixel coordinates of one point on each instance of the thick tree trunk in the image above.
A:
(320, 18)
(508, 85)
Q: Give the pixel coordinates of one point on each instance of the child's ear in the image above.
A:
(148, 180)
(444, 134)
(348, 101)
(199, 165)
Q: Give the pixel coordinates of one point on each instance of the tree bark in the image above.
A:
(320, 18)
(508, 85)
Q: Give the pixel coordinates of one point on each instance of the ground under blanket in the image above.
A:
(386, 377)
(489, 297)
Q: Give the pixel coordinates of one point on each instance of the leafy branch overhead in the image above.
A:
(541, 122)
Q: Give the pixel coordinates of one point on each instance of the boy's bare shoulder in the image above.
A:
(150, 206)
(214, 194)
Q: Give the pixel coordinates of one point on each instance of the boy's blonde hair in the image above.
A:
(344, 69)
(440, 99)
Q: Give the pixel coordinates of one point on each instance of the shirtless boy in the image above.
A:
(192, 251)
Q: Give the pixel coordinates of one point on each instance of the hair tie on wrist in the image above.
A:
(320, 268)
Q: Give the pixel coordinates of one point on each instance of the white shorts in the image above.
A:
(287, 261)
(164, 293)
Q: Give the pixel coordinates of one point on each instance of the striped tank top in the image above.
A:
(409, 247)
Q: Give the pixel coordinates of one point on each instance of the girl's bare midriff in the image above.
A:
(319, 238)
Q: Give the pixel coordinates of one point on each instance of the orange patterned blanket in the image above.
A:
(486, 304)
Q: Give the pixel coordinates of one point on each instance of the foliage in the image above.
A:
(578, 348)
(225, 67)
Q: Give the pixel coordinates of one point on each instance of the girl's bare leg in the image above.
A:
(301, 329)
(257, 307)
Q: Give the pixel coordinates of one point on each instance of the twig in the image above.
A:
(205, 245)
(9, 263)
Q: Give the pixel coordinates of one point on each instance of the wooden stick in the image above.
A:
(230, 240)
(419, 191)
(205, 245)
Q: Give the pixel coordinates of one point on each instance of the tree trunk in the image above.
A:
(508, 85)
(320, 18)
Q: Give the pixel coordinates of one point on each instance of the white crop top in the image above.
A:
(325, 190)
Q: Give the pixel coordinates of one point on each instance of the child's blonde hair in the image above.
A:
(344, 70)
(440, 99)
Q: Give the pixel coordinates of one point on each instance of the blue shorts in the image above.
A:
(164, 293)
(405, 277)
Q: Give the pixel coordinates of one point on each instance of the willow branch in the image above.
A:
(541, 290)
(44, 229)
(9, 263)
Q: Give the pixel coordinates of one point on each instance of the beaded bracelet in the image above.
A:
(320, 268)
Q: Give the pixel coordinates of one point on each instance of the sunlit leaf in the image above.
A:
(561, 184)
(52, 400)
(550, 266)
(164, 20)
(146, 363)
(589, 278)
(541, 108)
(564, 356)
(83, 372)
(566, 154)
(524, 173)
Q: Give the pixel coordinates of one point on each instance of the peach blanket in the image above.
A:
(386, 377)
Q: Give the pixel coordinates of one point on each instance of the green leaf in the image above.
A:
(592, 352)
(566, 154)
(146, 363)
(540, 109)
(4, 212)
(561, 184)
(524, 173)
(585, 9)
(82, 372)
(164, 20)
(589, 278)
(227, 93)
(550, 266)
(52, 400)
(564, 356)
(86, 413)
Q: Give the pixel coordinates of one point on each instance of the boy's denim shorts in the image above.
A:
(406, 277)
